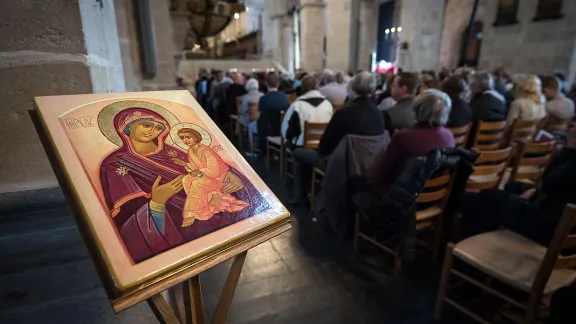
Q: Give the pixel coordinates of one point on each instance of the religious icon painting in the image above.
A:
(157, 184)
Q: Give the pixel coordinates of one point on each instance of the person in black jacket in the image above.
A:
(487, 104)
(461, 112)
(358, 117)
(270, 107)
(234, 90)
(535, 212)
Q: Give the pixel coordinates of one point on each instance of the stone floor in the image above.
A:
(302, 276)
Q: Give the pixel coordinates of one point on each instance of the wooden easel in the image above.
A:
(185, 296)
(186, 299)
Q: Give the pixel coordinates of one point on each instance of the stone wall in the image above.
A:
(369, 11)
(526, 47)
(338, 20)
(48, 48)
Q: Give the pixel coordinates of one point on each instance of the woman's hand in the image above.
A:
(195, 173)
(161, 193)
(179, 162)
(231, 183)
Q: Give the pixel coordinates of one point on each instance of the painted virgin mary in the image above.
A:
(143, 188)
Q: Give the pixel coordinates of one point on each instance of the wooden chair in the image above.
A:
(489, 169)
(234, 117)
(276, 144)
(461, 134)
(243, 136)
(554, 124)
(531, 161)
(317, 175)
(434, 198)
(312, 134)
(336, 107)
(522, 130)
(526, 266)
(489, 135)
(292, 97)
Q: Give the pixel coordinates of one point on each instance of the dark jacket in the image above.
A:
(354, 158)
(269, 123)
(394, 211)
(358, 117)
(460, 113)
(488, 106)
(234, 90)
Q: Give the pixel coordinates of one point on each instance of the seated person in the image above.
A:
(334, 92)
(487, 104)
(402, 91)
(358, 117)
(529, 103)
(460, 113)
(535, 212)
(270, 106)
(557, 104)
(431, 109)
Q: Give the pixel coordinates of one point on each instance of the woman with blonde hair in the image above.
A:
(529, 102)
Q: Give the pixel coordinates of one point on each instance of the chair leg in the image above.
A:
(438, 236)
(267, 155)
(397, 263)
(313, 189)
(356, 232)
(444, 280)
(533, 307)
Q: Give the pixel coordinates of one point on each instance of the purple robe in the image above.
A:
(127, 178)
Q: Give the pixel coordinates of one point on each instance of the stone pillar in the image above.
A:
(312, 35)
(368, 37)
(288, 43)
(338, 21)
(49, 48)
(421, 22)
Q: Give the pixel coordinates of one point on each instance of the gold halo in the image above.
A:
(206, 138)
(106, 116)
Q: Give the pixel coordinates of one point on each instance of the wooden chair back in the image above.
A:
(522, 130)
(461, 134)
(336, 107)
(489, 135)
(436, 191)
(531, 160)
(312, 134)
(239, 100)
(560, 253)
(253, 111)
(489, 169)
(554, 124)
(292, 97)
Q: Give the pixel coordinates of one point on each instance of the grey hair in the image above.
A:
(363, 84)
(328, 77)
(432, 107)
(483, 79)
(252, 85)
(340, 77)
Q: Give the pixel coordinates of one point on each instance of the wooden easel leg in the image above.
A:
(162, 310)
(177, 301)
(193, 301)
(225, 301)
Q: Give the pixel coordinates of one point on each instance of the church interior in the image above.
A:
(308, 274)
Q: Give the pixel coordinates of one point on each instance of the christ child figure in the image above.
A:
(204, 181)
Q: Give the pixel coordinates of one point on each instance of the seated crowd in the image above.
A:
(409, 115)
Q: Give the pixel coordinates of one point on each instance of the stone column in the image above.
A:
(338, 20)
(368, 38)
(421, 22)
(49, 48)
(312, 35)
(288, 43)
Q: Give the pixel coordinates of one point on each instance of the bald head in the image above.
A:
(363, 84)
(239, 79)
